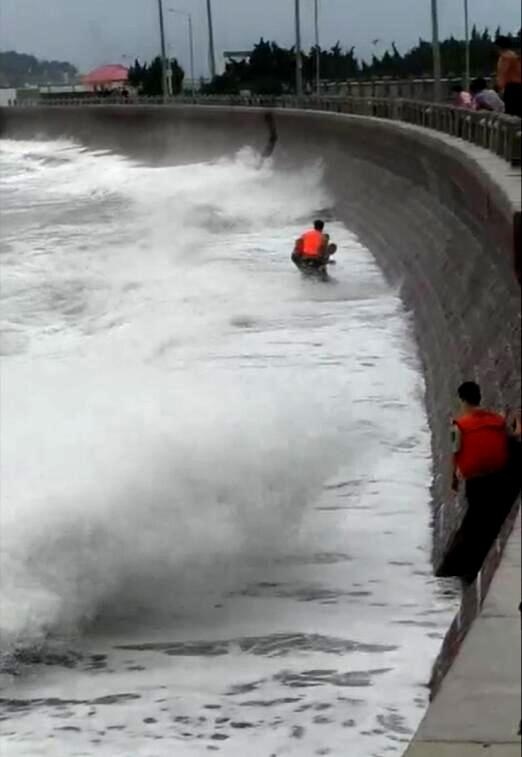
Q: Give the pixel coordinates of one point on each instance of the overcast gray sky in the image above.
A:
(93, 32)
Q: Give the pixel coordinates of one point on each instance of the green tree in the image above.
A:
(148, 78)
(20, 70)
(271, 68)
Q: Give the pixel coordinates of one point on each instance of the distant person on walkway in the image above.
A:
(486, 456)
(485, 98)
(509, 76)
(461, 98)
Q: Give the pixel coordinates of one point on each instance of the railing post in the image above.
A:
(516, 146)
(505, 142)
(398, 114)
(484, 137)
(495, 136)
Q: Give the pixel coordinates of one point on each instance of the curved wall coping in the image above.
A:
(499, 133)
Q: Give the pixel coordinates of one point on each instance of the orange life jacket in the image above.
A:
(484, 444)
(312, 243)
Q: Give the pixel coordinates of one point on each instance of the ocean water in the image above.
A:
(214, 474)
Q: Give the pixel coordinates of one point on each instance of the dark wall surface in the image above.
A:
(440, 224)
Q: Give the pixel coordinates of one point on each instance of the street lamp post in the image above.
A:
(317, 50)
(437, 63)
(468, 47)
(298, 57)
(191, 46)
(164, 71)
(211, 50)
(188, 16)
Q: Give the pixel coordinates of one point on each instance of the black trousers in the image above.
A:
(303, 262)
(513, 99)
(490, 500)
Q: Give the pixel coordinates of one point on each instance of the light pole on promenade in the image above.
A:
(188, 16)
(164, 71)
(298, 56)
(211, 50)
(317, 50)
(437, 64)
(468, 48)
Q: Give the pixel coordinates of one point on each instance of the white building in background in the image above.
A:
(7, 96)
(237, 56)
(64, 89)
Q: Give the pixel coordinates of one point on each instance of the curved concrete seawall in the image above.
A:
(441, 217)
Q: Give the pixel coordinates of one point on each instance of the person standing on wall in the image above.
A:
(509, 76)
(486, 453)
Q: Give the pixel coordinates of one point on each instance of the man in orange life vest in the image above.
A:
(480, 440)
(311, 249)
(484, 456)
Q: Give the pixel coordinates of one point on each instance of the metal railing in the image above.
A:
(496, 132)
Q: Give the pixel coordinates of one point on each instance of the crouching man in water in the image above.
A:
(313, 249)
(486, 458)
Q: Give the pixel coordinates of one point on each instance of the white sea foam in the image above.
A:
(175, 400)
